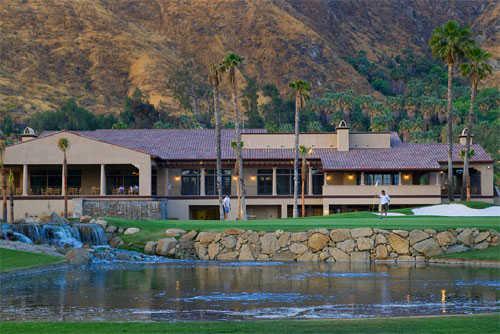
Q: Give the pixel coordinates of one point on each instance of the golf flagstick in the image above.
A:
(375, 197)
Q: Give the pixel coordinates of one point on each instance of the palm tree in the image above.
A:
(304, 152)
(301, 89)
(476, 69)
(215, 79)
(63, 145)
(4, 179)
(229, 64)
(10, 181)
(448, 43)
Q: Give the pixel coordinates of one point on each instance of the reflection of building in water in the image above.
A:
(443, 300)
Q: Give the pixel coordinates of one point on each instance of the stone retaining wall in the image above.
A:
(126, 208)
(356, 245)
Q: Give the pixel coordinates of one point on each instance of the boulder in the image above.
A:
(406, 258)
(101, 222)
(251, 236)
(306, 257)
(346, 245)
(360, 257)
(481, 237)
(229, 256)
(85, 219)
(111, 229)
(399, 245)
(324, 255)
(319, 230)
(189, 236)
(78, 256)
(381, 252)
(457, 249)
(206, 237)
(428, 247)
(466, 237)
(246, 253)
(340, 234)
(364, 244)
(380, 239)
(430, 231)
(229, 242)
(262, 257)
(233, 231)
(297, 248)
(116, 242)
(401, 233)
(286, 256)
(339, 255)
(132, 230)
(417, 236)
(150, 247)
(269, 243)
(446, 238)
(165, 246)
(298, 237)
(201, 251)
(284, 239)
(318, 241)
(361, 232)
(213, 250)
(482, 245)
(174, 232)
(56, 219)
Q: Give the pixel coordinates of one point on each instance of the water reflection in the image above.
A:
(207, 291)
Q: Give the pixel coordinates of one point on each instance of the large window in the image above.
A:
(385, 179)
(190, 183)
(211, 182)
(284, 181)
(46, 181)
(264, 182)
(317, 181)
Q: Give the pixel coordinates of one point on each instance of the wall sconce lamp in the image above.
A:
(328, 178)
(177, 178)
(253, 178)
(350, 177)
(235, 178)
(406, 177)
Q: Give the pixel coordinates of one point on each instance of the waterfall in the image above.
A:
(92, 234)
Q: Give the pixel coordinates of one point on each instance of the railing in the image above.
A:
(402, 190)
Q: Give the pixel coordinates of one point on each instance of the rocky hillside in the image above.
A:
(101, 50)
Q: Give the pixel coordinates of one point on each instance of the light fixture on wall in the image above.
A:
(350, 177)
(406, 177)
(328, 177)
(177, 178)
(253, 178)
(235, 178)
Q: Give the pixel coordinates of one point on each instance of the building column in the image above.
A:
(309, 181)
(400, 181)
(284, 210)
(202, 182)
(326, 209)
(275, 188)
(102, 183)
(362, 183)
(145, 178)
(25, 180)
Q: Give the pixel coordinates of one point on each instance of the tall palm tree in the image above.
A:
(476, 69)
(4, 180)
(304, 152)
(63, 145)
(10, 181)
(301, 90)
(448, 43)
(215, 80)
(229, 64)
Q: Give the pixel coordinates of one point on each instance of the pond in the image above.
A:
(195, 290)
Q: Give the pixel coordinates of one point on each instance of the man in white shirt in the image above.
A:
(385, 200)
(226, 205)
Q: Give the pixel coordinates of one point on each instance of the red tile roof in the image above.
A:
(199, 144)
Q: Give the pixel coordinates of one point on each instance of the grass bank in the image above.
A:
(484, 324)
(489, 254)
(154, 230)
(14, 259)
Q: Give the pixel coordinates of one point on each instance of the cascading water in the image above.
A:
(60, 235)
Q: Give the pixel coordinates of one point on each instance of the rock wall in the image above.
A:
(126, 208)
(357, 245)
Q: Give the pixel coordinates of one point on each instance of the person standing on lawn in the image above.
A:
(385, 200)
(226, 204)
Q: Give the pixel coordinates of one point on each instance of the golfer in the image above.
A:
(226, 205)
(385, 200)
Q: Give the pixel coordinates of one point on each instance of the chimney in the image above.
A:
(342, 136)
(28, 134)
(463, 137)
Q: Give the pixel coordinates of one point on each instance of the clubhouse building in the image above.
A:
(160, 173)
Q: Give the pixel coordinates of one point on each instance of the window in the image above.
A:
(385, 179)
(264, 181)
(74, 178)
(284, 181)
(211, 182)
(122, 181)
(46, 181)
(317, 181)
(190, 184)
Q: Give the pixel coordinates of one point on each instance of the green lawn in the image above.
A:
(154, 230)
(489, 254)
(13, 259)
(483, 324)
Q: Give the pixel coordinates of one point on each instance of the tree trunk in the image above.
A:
(296, 159)
(242, 215)
(451, 189)
(65, 190)
(470, 118)
(4, 194)
(218, 149)
(303, 181)
(11, 204)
